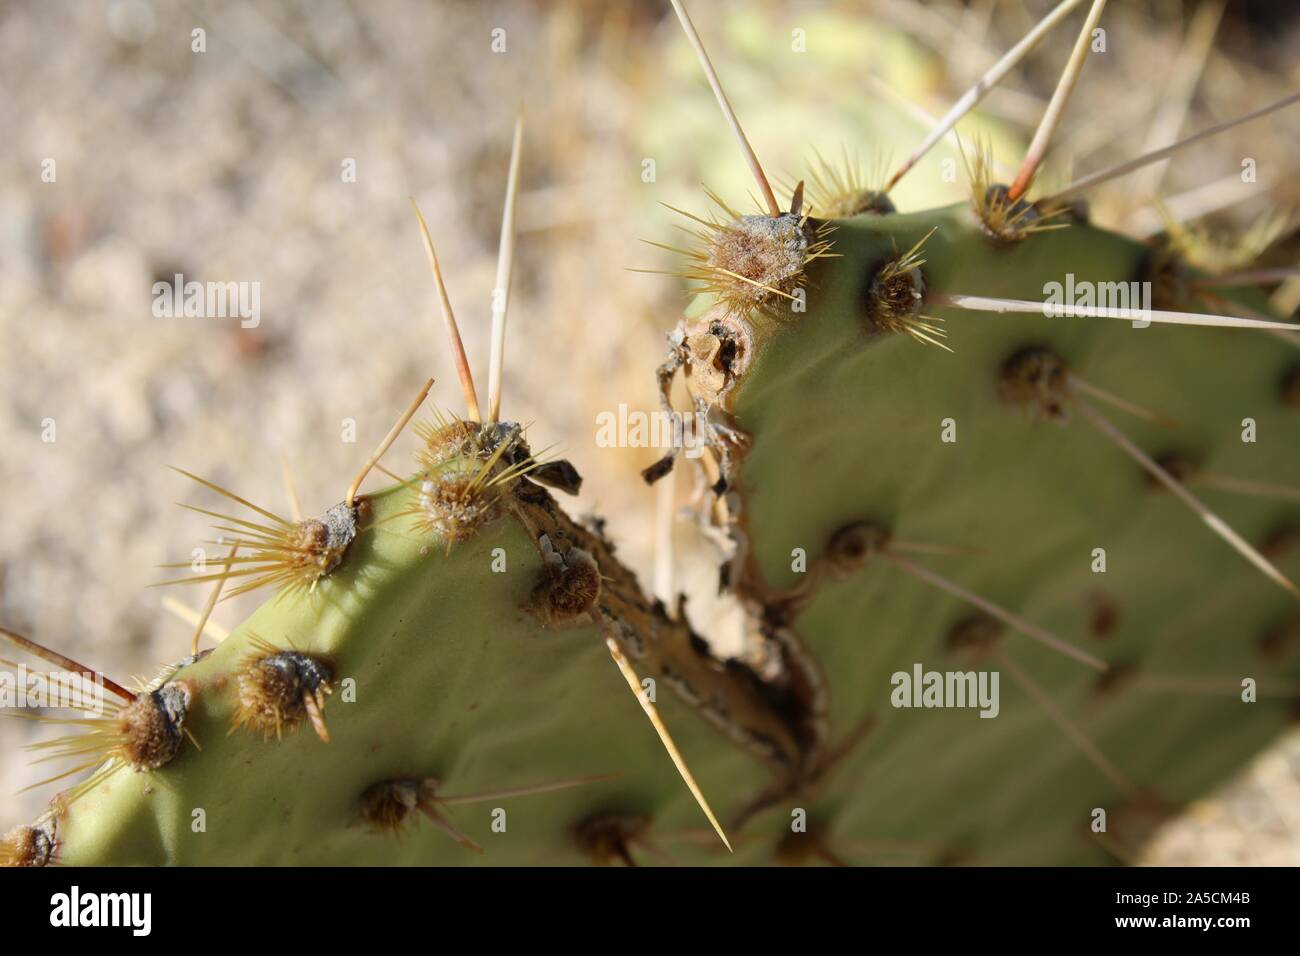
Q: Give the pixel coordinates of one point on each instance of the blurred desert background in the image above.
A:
(229, 165)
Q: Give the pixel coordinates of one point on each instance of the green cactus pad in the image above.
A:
(842, 426)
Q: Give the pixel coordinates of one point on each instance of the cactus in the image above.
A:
(895, 467)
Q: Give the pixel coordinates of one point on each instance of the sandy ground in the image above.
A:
(230, 165)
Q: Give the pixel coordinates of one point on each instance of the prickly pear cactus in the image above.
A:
(939, 448)
(497, 682)
(1003, 603)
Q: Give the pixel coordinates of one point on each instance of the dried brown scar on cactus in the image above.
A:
(27, 846)
(278, 689)
(466, 471)
(810, 782)
(774, 675)
(772, 720)
(1036, 376)
(715, 352)
(775, 720)
(778, 714)
(142, 730)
